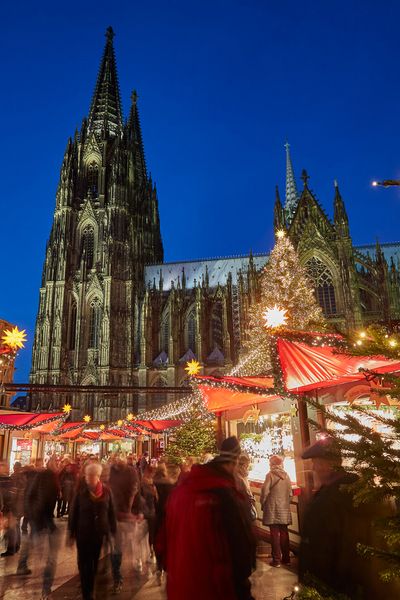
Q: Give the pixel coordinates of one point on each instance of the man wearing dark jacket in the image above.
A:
(40, 501)
(208, 548)
(332, 528)
(124, 485)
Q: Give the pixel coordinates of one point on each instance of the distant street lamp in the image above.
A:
(386, 182)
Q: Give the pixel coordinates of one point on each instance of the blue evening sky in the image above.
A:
(222, 85)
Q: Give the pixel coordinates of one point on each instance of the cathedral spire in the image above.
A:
(106, 110)
(340, 214)
(292, 195)
(135, 139)
(279, 213)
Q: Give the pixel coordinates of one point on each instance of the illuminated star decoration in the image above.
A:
(87, 418)
(275, 317)
(14, 338)
(130, 417)
(119, 422)
(67, 408)
(280, 234)
(102, 427)
(193, 367)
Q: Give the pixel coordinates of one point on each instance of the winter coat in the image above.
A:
(275, 498)
(68, 478)
(18, 483)
(92, 517)
(164, 487)
(209, 549)
(124, 484)
(149, 493)
(40, 499)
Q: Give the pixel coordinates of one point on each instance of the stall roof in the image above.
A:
(307, 368)
(304, 368)
(221, 398)
(39, 422)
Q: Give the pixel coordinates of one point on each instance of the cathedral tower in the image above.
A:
(105, 229)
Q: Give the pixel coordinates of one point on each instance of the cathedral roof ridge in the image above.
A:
(383, 244)
(209, 258)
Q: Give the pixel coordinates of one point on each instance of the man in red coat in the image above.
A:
(209, 548)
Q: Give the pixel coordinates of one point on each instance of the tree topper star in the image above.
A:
(67, 408)
(14, 338)
(275, 317)
(193, 367)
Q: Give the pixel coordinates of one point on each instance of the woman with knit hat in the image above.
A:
(275, 502)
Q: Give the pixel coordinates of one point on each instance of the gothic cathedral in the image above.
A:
(111, 312)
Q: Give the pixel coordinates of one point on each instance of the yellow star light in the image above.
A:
(280, 234)
(87, 418)
(67, 408)
(130, 417)
(119, 422)
(275, 317)
(102, 427)
(193, 367)
(14, 338)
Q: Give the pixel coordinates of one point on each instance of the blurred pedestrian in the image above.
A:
(149, 493)
(7, 509)
(91, 523)
(164, 486)
(40, 501)
(124, 485)
(67, 478)
(208, 546)
(276, 494)
(143, 463)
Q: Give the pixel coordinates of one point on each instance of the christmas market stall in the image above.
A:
(125, 435)
(22, 434)
(270, 414)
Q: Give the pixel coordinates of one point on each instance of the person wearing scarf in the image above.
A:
(91, 522)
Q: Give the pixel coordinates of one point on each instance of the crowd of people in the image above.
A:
(195, 522)
(117, 503)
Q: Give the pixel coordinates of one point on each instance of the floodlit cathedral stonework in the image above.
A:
(111, 312)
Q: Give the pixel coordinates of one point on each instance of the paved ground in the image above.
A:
(268, 583)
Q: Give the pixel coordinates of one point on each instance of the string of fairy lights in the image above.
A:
(274, 320)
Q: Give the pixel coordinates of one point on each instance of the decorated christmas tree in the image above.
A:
(194, 438)
(286, 299)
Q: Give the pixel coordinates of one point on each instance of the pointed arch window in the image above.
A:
(93, 179)
(191, 331)
(217, 333)
(72, 327)
(95, 314)
(164, 333)
(87, 245)
(322, 279)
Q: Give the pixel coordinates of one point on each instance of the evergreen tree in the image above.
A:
(284, 283)
(374, 455)
(197, 436)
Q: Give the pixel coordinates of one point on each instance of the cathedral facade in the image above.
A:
(112, 313)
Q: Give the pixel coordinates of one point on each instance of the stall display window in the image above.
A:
(21, 450)
(90, 448)
(269, 435)
(51, 448)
